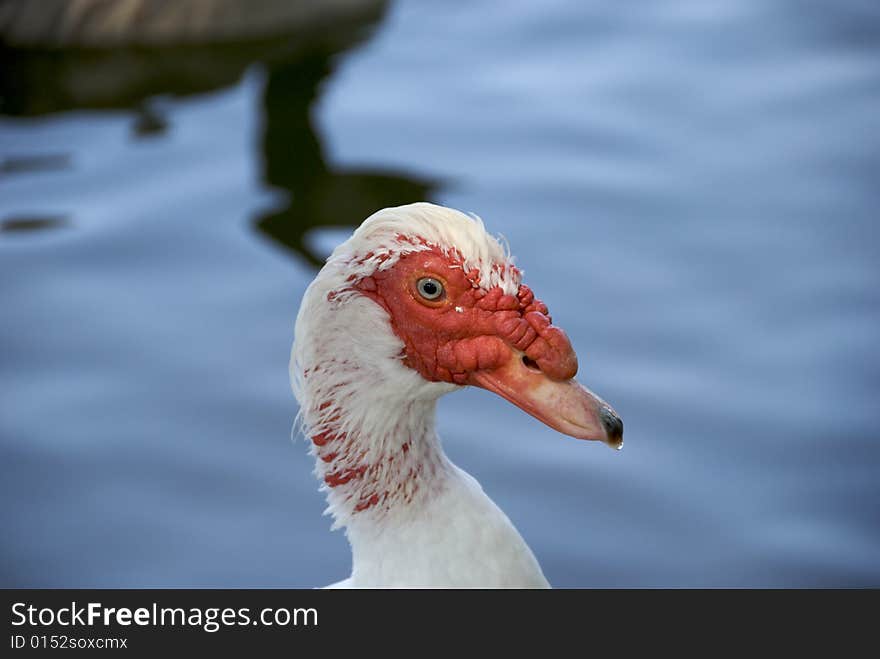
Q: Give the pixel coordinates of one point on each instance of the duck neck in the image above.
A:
(373, 469)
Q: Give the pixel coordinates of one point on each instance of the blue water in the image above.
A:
(692, 187)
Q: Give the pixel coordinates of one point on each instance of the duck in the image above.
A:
(419, 302)
(150, 23)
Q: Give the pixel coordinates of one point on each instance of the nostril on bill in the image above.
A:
(530, 364)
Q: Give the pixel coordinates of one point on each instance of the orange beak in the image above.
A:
(564, 405)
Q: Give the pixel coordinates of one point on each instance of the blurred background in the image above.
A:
(691, 185)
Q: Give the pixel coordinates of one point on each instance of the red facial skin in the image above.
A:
(466, 329)
(500, 342)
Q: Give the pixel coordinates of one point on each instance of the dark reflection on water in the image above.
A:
(24, 223)
(37, 81)
(692, 188)
(24, 164)
(316, 193)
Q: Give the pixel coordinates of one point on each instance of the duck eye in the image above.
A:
(430, 289)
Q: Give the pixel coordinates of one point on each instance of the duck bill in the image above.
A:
(566, 406)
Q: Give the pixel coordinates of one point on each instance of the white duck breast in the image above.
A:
(419, 302)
